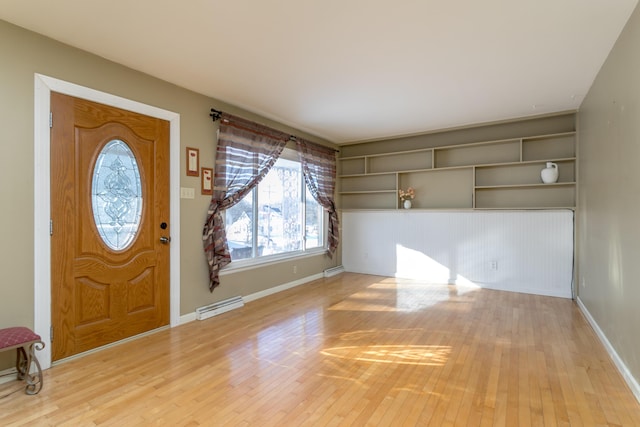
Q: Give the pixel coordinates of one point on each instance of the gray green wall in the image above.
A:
(609, 198)
(23, 53)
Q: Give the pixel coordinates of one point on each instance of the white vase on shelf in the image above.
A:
(549, 174)
(407, 204)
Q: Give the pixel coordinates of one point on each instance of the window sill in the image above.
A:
(243, 265)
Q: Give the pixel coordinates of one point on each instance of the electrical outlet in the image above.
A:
(295, 269)
(493, 264)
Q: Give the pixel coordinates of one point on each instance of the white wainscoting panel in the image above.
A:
(520, 251)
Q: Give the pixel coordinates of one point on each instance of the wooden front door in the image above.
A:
(110, 224)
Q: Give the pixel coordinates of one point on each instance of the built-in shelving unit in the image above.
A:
(503, 174)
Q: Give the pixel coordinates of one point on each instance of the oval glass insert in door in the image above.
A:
(116, 195)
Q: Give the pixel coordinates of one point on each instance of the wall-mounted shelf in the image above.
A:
(502, 174)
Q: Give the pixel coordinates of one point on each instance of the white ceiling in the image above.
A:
(352, 70)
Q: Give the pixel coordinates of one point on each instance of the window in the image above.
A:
(278, 217)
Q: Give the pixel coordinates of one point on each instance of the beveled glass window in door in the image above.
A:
(116, 195)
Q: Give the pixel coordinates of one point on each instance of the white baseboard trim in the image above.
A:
(563, 293)
(624, 371)
(284, 287)
(8, 375)
(190, 317)
(186, 318)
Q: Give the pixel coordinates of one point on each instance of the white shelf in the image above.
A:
(485, 175)
(542, 185)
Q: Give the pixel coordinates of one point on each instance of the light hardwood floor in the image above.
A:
(349, 350)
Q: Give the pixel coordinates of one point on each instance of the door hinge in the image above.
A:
(50, 119)
(50, 227)
(51, 333)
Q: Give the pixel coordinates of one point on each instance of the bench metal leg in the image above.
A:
(24, 358)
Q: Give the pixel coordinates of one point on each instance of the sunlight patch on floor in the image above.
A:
(424, 355)
(403, 295)
(412, 264)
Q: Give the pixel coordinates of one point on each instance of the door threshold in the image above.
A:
(113, 344)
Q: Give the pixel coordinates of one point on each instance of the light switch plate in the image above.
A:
(187, 193)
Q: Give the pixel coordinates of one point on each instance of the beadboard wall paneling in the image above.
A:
(520, 251)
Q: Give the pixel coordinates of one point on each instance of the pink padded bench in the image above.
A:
(25, 341)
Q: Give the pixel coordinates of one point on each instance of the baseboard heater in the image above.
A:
(333, 271)
(219, 307)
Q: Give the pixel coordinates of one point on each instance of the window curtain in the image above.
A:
(319, 169)
(245, 153)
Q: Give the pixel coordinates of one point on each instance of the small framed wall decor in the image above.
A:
(193, 161)
(207, 181)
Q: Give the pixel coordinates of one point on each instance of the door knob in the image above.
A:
(165, 239)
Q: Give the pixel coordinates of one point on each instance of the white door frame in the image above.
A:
(44, 85)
